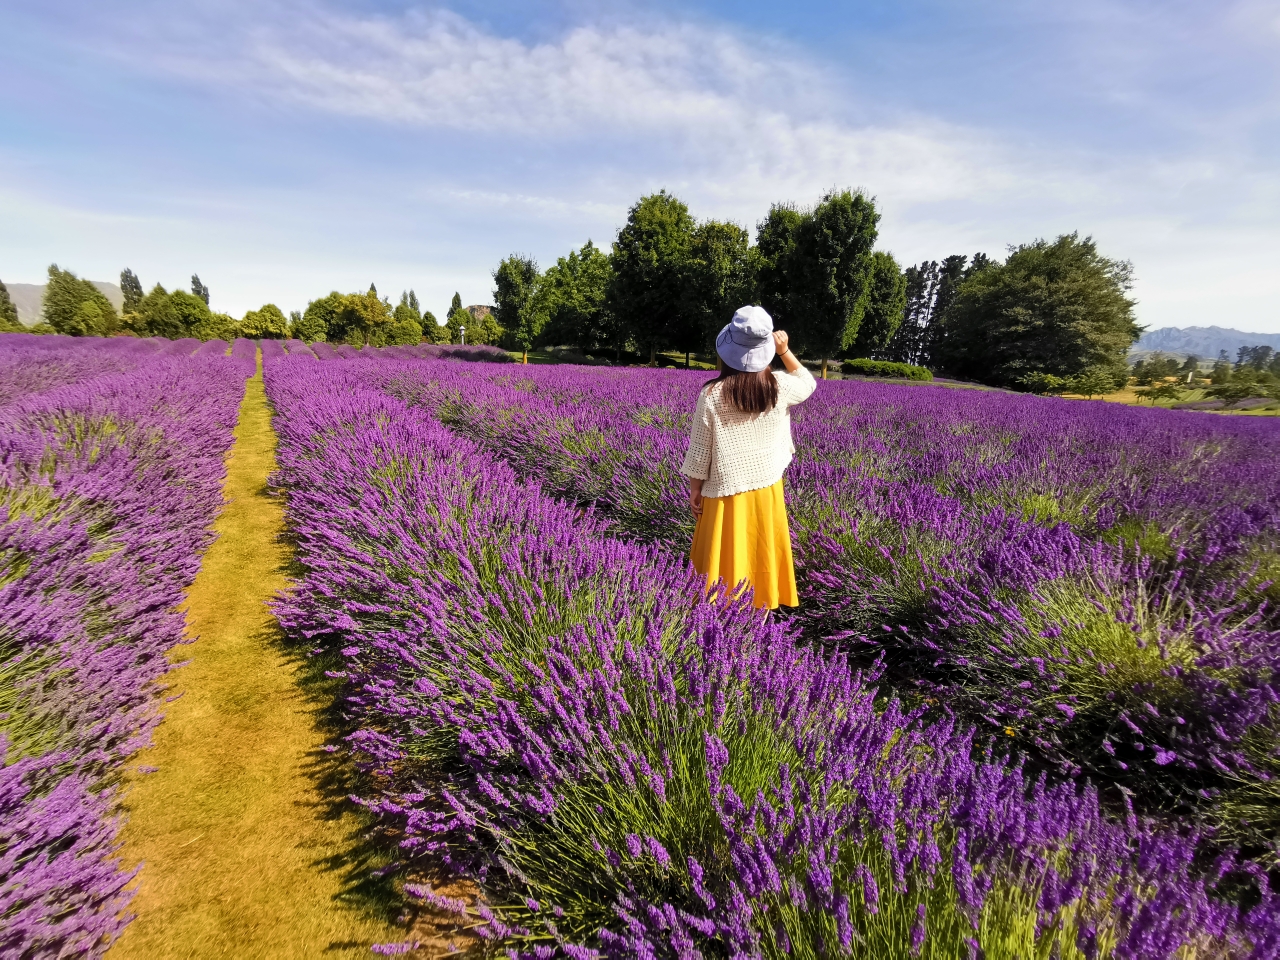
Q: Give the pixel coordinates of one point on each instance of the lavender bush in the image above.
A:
(1092, 582)
(627, 769)
(110, 485)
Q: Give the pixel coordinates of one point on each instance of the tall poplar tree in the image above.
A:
(131, 287)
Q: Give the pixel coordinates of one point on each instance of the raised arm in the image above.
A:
(802, 383)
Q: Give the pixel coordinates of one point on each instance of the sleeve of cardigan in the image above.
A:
(797, 387)
(697, 462)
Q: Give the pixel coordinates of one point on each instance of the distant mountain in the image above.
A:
(29, 297)
(1204, 342)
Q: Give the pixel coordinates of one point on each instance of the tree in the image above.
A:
(361, 319)
(1245, 383)
(1056, 308)
(199, 289)
(9, 322)
(318, 320)
(572, 296)
(131, 287)
(883, 309)
(1162, 391)
(719, 278)
(775, 250)
(646, 291)
(1094, 381)
(821, 272)
(266, 323)
(515, 289)
(65, 294)
(215, 326)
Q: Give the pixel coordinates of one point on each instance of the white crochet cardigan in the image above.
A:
(734, 451)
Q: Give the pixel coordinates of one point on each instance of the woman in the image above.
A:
(741, 445)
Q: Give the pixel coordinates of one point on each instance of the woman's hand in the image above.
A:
(695, 497)
(783, 343)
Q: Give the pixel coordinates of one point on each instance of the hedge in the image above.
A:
(886, 368)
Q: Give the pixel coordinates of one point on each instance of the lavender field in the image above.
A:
(1027, 708)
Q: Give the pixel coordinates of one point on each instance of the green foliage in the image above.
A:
(1056, 308)
(863, 367)
(883, 308)
(1162, 391)
(65, 300)
(649, 263)
(9, 322)
(363, 319)
(831, 272)
(1221, 373)
(1096, 381)
(481, 327)
(815, 270)
(318, 319)
(572, 296)
(131, 287)
(216, 326)
(199, 289)
(1041, 383)
(1246, 383)
(719, 278)
(1154, 369)
(266, 323)
(515, 298)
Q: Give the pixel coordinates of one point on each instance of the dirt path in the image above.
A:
(248, 849)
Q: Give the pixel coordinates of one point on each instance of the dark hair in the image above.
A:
(749, 392)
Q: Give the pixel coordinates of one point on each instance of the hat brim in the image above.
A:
(749, 359)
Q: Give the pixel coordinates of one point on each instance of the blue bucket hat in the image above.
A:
(746, 342)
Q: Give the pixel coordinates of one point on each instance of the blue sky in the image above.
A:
(284, 148)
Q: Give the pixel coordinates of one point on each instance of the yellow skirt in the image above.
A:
(745, 538)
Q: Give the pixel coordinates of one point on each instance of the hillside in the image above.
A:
(1204, 342)
(27, 298)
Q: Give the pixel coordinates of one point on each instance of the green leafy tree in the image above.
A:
(319, 320)
(1042, 383)
(775, 247)
(817, 270)
(191, 311)
(1246, 383)
(573, 296)
(883, 308)
(131, 287)
(646, 293)
(64, 296)
(719, 278)
(157, 316)
(833, 272)
(215, 326)
(1057, 308)
(199, 289)
(1094, 381)
(1221, 373)
(9, 322)
(1161, 391)
(266, 323)
(517, 307)
(363, 319)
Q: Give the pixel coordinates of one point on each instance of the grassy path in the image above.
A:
(248, 850)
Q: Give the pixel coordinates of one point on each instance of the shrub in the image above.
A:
(886, 368)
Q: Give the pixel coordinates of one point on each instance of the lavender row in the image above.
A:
(1092, 583)
(31, 364)
(110, 488)
(626, 769)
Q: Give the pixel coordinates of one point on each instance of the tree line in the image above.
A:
(670, 282)
(1050, 311)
